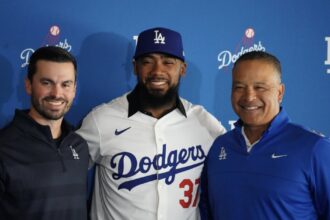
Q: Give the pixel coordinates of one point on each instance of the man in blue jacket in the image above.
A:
(266, 167)
(43, 163)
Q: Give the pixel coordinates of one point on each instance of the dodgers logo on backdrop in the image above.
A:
(327, 61)
(159, 38)
(162, 166)
(52, 38)
(226, 58)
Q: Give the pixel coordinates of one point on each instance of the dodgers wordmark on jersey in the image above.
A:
(148, 168)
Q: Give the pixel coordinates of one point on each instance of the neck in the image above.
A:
(254, 133)
(160, 111)
(158, 106)
(54, 125)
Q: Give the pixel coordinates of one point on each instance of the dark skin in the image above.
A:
(159, 74)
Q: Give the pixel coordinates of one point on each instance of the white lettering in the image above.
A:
(135, 38)
(26, 53)
(226, 57)
(159, 39)
(25, 56)
(64, 45)
(231, 124)
(327, 61)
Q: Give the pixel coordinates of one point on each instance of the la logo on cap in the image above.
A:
(159, 39)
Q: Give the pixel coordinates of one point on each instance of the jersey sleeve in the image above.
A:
(213, 124)
(90, 132)
(321, 178)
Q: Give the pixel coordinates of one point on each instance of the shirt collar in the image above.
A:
(134, 104)
(29, 125)
(280, 120)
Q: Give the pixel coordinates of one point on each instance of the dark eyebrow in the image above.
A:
(50, 80)
(46, 79)
(68, 81)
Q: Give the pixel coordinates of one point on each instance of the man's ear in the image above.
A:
(281, 92)
(28, 86)
(183, 69)
(135, 66)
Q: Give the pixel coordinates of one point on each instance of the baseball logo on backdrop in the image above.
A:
(54, 30)
(249, 33)
(52, 38)
(327, 61)
(247, 44)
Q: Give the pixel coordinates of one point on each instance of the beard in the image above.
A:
(157, 99)
(47, 113)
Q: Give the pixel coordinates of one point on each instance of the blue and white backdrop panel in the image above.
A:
(102, 35)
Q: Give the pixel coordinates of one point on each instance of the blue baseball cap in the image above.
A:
(159, 40)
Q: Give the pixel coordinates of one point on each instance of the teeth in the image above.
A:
(251, 107)
(158, 83)
(55, 102)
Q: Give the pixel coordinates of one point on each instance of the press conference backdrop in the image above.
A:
(102, 35)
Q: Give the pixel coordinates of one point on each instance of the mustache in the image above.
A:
(155, 78)
(53, 98)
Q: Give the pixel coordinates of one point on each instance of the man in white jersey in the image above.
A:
(149, 145)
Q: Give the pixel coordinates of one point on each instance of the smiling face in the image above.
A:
(257, 92)
(159, 76)
(52, 90)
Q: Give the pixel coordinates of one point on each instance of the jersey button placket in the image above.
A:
(160, 182)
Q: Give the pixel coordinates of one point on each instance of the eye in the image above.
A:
(259, 88)
(169, 61)
(238, 87)
(67, 84)
(146, 61)
(45, 82)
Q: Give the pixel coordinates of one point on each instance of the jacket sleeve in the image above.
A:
(321, 178)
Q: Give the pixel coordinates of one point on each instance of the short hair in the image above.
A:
(261, 55)
(50, 53)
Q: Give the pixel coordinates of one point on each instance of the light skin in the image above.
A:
(52, 91)
(158, 73)
(257, 93)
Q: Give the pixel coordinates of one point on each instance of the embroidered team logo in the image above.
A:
(74, 153)
(159, 38)
(223, 154)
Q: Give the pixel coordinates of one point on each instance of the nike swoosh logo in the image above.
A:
(274, 156)
(118, 132)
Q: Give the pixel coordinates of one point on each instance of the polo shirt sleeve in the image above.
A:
(321, 177)
(2, 179)
(204, 206)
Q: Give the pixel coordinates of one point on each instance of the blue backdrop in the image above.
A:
(102, 35)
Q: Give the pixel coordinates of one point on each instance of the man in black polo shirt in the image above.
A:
(43, 163)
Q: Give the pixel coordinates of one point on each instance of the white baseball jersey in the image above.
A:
(147, 168)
